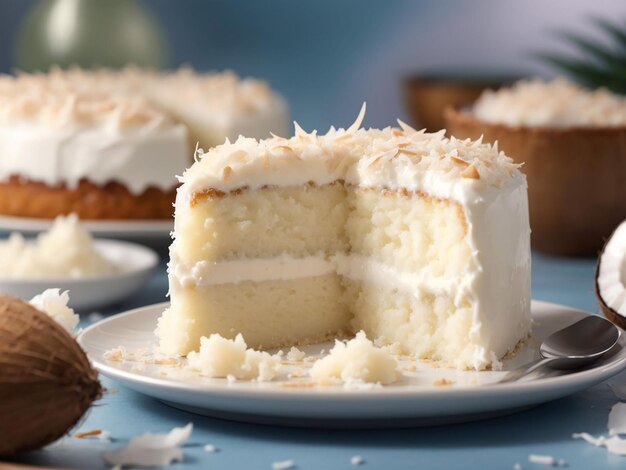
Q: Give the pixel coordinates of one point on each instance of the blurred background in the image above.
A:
(325, 56)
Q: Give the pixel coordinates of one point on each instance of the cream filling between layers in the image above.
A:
(287, 267)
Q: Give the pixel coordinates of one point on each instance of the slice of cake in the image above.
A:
(414, 238)
(107, 144)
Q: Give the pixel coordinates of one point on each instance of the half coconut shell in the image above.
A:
(576, 178)
(610, 281)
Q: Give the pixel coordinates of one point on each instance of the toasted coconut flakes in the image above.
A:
(406, 128)
(458, 161)
(226, 172)
(169, 361)
(151, 450)
(301, 384)
(297, 375)
(93, 432)
(411, 368)
(471, 172)
(359, 119)
(286, 148)
(116, 354)
(298, 130)
(442, 381)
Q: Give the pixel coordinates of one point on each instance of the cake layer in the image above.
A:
(19, 197)
(263, 223)
(268, 314)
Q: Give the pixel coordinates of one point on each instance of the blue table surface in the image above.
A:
(496, 443)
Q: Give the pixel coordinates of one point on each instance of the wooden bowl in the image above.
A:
(426, 97)
(575, 176)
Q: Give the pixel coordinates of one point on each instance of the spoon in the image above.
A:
(572, 347)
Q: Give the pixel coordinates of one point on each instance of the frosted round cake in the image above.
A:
(572, 142)
(108, 144)
(414, 238)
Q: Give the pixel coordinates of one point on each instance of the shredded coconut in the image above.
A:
(151, 450)
(356, 361)
(557, 103)
(542, 460)
(295, 354)
(53, 302)
(221, 357)
(210, 449)
(356, 460)
(66, 250)
(283, 465)
(389, 157)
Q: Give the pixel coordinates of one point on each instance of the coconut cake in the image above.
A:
(417, 239)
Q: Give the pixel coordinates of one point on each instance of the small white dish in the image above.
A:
(416, 400)
(136, 263)
(151, 231)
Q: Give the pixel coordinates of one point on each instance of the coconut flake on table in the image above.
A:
(547, 460)
(53, 302)
(225, 358)
(356, 460)
(616, 425)
(617, 419)
(283, 465)
(295, 355)
(619, 390)
(66, 250)
(151, 450)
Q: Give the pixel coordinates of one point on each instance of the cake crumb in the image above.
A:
(92, 433)
(116, 354)
(210, 449)
(357, 360)
(295, 355)
(356, 460)
(442, 382)
(283, 465)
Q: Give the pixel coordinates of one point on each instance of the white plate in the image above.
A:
(133, 230)
(136, 264)
(414, 401)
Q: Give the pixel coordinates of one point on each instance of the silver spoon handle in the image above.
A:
(520, 372)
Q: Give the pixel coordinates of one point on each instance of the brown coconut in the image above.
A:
(46, 381)
(427, 97)
(576, 178)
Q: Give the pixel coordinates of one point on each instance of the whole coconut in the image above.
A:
(46, 381)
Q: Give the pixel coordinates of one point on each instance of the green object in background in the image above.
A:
(90, 33)
(603, 63)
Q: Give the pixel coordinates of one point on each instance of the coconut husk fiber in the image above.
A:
(575, 179)
(46, 380)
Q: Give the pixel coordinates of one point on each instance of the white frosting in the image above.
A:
(280, 268)
(486, 183)
(104, 126)
(558, 103)
(137, 158)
